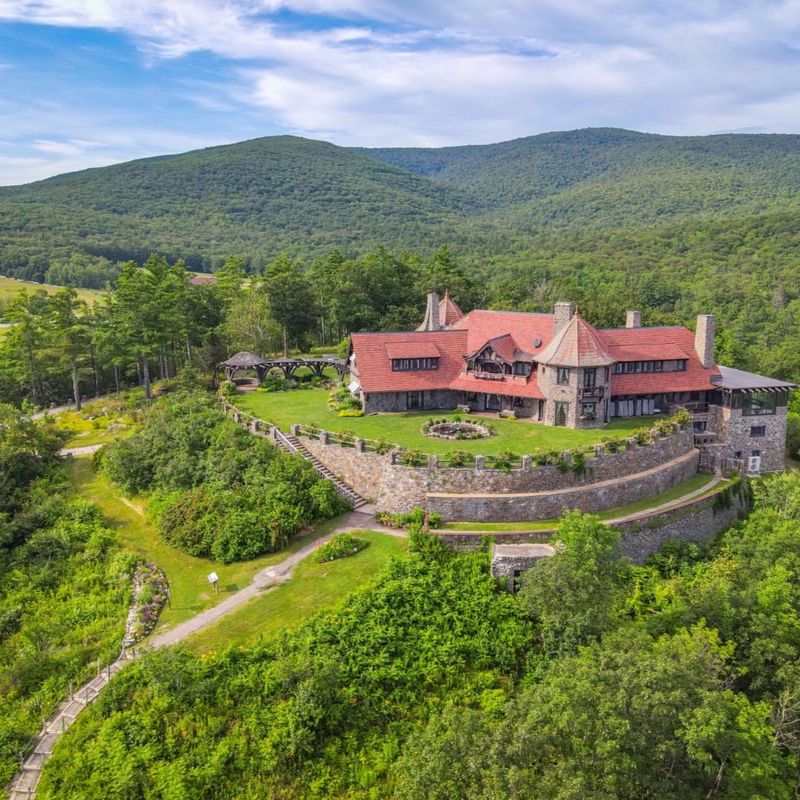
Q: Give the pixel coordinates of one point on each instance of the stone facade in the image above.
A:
(572, 396)
(432, 400)
(736, 440)
(397, 488)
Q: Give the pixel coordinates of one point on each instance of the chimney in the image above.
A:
(633, 319)
(704, 339)
(431, 321)
(563, 314)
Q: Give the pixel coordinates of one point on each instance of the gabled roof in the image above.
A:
(577, 344)
(504, 346)
(449, 312)
(526, 329)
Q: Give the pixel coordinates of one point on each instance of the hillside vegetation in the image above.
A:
(259, 197)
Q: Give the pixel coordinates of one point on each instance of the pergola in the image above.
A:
(288, 366)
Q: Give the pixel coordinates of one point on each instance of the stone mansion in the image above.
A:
(558, 369)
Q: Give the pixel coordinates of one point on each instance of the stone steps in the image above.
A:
(295, 446)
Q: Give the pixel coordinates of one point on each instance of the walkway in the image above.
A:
(23, 784)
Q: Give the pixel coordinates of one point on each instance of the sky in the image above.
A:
(85, 83)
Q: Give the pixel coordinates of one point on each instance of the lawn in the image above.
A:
(102, 428)
(693, 484)
(313, 587)
(10, 286)
(191, 592)
(310, 407)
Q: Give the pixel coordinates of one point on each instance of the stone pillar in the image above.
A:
(433, 463)
(479, 462)
(254, 426)
(324, 437)
(704, 339)
(633, 319)
(599, 450)
(630, 443)
(295, 430)
(359, 446)
(527, 462)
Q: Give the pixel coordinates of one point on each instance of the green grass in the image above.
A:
(687, 487)
(10, 286)
(101, 429)
(310, 407)
(191, 592)
(313, 587)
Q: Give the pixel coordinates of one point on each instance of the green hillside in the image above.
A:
(255, 198)
(259, 197)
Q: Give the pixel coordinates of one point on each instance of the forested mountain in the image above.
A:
(259, 197)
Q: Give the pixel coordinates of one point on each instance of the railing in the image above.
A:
(593, 391)
(488, 376)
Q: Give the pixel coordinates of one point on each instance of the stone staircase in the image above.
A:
(293, 445)
(23, 784)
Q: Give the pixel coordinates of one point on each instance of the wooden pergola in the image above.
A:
(246, 360)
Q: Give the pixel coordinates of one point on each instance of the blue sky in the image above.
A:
(91, 82)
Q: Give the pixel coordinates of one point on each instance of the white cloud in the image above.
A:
(413, 72)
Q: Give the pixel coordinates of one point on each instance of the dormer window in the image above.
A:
(414, 364)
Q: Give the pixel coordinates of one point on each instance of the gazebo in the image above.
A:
(243, 361)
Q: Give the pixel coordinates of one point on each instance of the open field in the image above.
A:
(310, 407)
(191, 592)
(313, 587)
(10, 286)
(694, 483)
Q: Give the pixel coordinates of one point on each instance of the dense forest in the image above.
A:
(677, 679)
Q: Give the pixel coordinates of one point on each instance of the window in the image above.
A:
(757, 404)
(699, 427)
(757, 431)
(680, 366)
(563, 375)
(589, 378)
(521, 368)
(561, 413)
(737, 455)
(414, 364)
(414, 400)
(658, 366)
(588, 411)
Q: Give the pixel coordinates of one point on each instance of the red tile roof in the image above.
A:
(512, 332)
(416, 349)
(374, 365)
(449, 312)
(657, 344)
(577, 344)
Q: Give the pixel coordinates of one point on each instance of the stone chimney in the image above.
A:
(633, 319)
(563, 314)
(431, 321)
(704, 339)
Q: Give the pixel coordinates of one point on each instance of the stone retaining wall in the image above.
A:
(397, 488)
(509, 507)
(699, 520)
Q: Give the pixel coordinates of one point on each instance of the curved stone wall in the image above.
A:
(634, 474)
(591, 498)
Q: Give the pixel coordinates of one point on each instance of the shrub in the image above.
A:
(227, 389)
(642, 436)
(503, 461)
(350, 412)
(341, 546)
(381, 446)
(613, 444)
(460, 458)
(412, 458)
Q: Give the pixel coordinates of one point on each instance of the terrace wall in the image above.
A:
(640, 471)
(699, 520)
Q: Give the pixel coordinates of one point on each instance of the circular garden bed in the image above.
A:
(457, 429)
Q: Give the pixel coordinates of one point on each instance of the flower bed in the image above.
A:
(457, 429)
(151, 591)
(341, 546)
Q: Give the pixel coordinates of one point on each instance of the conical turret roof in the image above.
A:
(449, 312)
(577, 344)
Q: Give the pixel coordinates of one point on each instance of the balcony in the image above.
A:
(592, 392)
(488, 376)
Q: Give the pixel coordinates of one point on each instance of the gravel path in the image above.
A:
(23, 784)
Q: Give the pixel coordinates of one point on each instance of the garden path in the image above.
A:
(23, 784)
